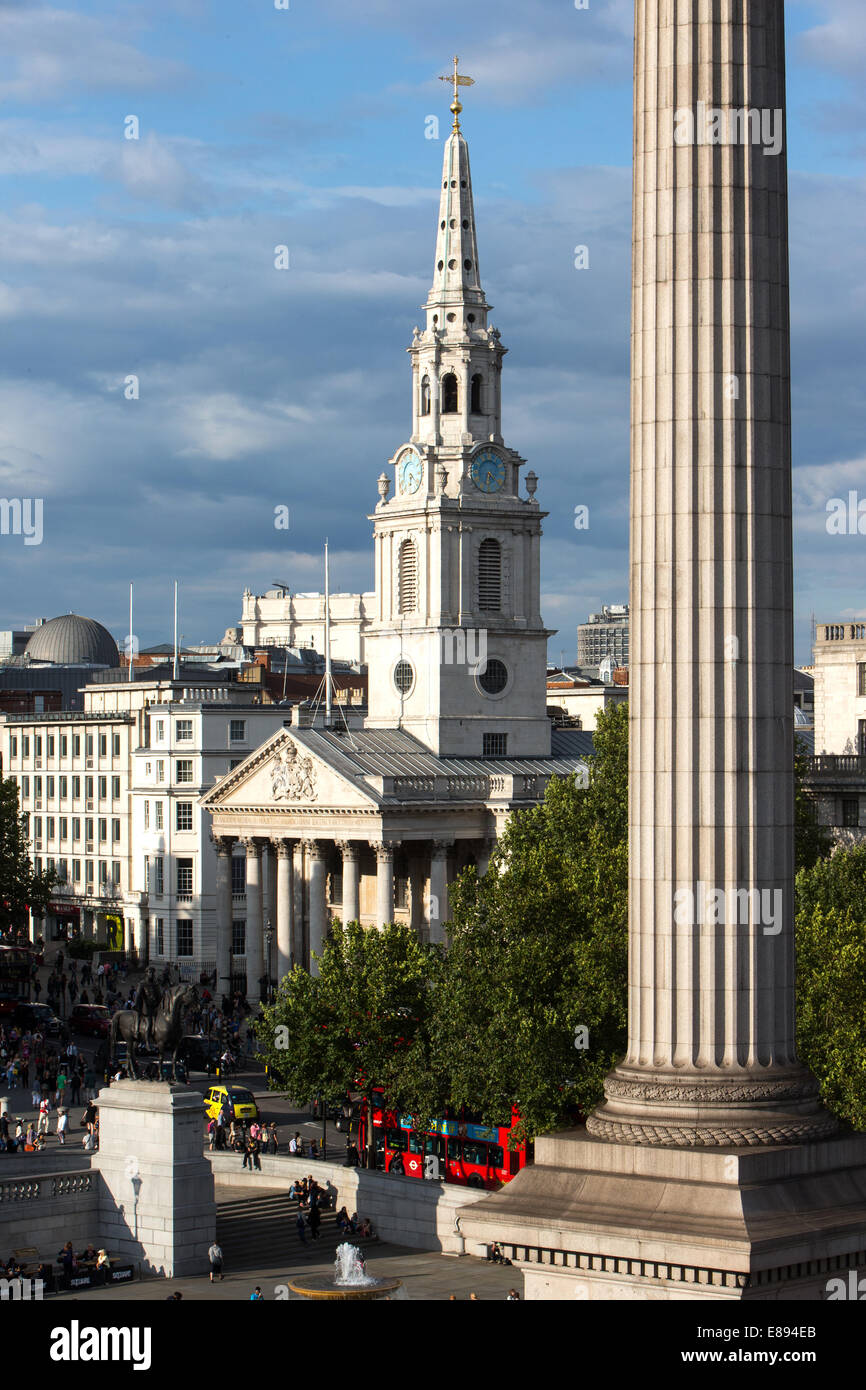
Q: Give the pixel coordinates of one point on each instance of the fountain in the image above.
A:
(350, 1280)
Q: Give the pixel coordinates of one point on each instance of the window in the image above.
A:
(64, 746)
(115, 788)
(49, 782)
(183, 771)
(25, 746)
(183, 731)
(157, 815)
(25, 788)
(851, 811)
(64, 788)
(449, 394)
(13, 746)
(160, 730)
(64, 828)
(37, 828)
(103, 871)
(103, 828)
(861, 737)
(237, 730)
(404, 677)
(50, 741)
(115, 870)
(401, 891)
(425, 395)
(159, 875)
(490, 576)
(49, 827)
(102, 783)
(239, 875)
(76, 827)
(861, 677)
(37, 788)
(234, 762)
(88, 745)
(337, 890)
(76, 788)
(147, 815)
(160, 769)
(76, 871)
(88, 871)
(148, 769)
(76, 745)
(159, 935)
(115, 829)
(37, 745)
(184, 815)
(63, 870)
(184, 938)
(475, 398)
(115, 745)
(184, 879)
(494, 745)
(88, 788)
(494, 678)
(239, 938)
(407, 579)
(103, 745)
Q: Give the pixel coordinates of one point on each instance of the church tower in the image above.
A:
(457, 651)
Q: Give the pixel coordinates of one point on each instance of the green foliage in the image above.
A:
(362, 1020)
(81, 950)
(539, 949)
(20, 887)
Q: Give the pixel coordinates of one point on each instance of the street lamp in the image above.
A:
(269, 936)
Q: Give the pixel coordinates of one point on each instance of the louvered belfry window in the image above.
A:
(490, 576)
(408, 583)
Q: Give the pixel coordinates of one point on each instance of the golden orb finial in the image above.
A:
(458, 79)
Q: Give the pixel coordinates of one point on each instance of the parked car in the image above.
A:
(39, 1017)
(200, 1054)
(92, 1019)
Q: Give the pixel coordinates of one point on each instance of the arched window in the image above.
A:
(425, 395)
(475, 399)
(449, 394)
(490, 576)
(408, 578)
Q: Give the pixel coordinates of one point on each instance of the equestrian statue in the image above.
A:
(163, 1028)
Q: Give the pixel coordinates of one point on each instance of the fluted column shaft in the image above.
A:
(318, 905)
(438, 888)
(711, 858)
(384, 884)
(351, 882)
(223, 848)
(285, 854)
(254, 941)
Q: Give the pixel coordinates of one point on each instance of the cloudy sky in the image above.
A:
(261, 126)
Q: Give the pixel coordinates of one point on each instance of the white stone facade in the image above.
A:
(839, 670)
(280, 618)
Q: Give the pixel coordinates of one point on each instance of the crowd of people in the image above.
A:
(57, 1077)
(77, 982)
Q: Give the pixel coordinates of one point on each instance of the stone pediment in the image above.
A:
(284, 774)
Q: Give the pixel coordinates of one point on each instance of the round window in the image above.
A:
(494, 678)
(404, 677)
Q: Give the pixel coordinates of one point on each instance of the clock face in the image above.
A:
(488, 471)
(410, 472)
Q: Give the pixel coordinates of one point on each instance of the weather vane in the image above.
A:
(459, 81)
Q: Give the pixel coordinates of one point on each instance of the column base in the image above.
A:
(691, 1110)
(598, 1221)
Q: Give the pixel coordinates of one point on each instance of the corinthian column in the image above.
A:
(711, 1057)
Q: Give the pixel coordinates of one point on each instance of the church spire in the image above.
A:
(456, 278)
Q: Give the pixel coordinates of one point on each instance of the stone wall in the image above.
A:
(403, 1210)
(48, 1210)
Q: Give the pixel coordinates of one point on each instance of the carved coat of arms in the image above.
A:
(293, 776)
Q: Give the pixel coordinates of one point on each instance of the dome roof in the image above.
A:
(71, 640)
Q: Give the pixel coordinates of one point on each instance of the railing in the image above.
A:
(850, 763)
(46, 1185)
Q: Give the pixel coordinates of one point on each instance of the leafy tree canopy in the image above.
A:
(20, 887)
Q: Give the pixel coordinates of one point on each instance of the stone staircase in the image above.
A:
(259, 1230)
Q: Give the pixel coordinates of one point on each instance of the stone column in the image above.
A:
(269, 897)
(711, 1056)
(417, 879)
(299, 949)
(223, 847)
(318, 906)
(439, 888)
(384, 884)
(485, 849)
(285, 852)
(351, 880)
(254, 944)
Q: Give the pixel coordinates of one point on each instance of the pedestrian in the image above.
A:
(512, 1296)
(273, 1145)
(75, 1087)
(44, 1113)
(315, 1220)
(89, 1083)
(257, 1296)
(215, 1255)
(62, 1125)
(301, 1228)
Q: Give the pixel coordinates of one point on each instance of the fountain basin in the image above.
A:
(323, 1286)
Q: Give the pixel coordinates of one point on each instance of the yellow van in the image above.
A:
(240, 1102)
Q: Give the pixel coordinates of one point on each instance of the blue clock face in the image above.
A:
(488, 471)
(410, 471)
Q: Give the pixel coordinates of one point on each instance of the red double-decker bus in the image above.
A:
(458, 1148)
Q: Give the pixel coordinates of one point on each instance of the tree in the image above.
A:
(361, 1022)
(20, 887)
(812, 841)
(538, 951)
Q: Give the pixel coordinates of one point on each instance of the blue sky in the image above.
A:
(306, 127)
